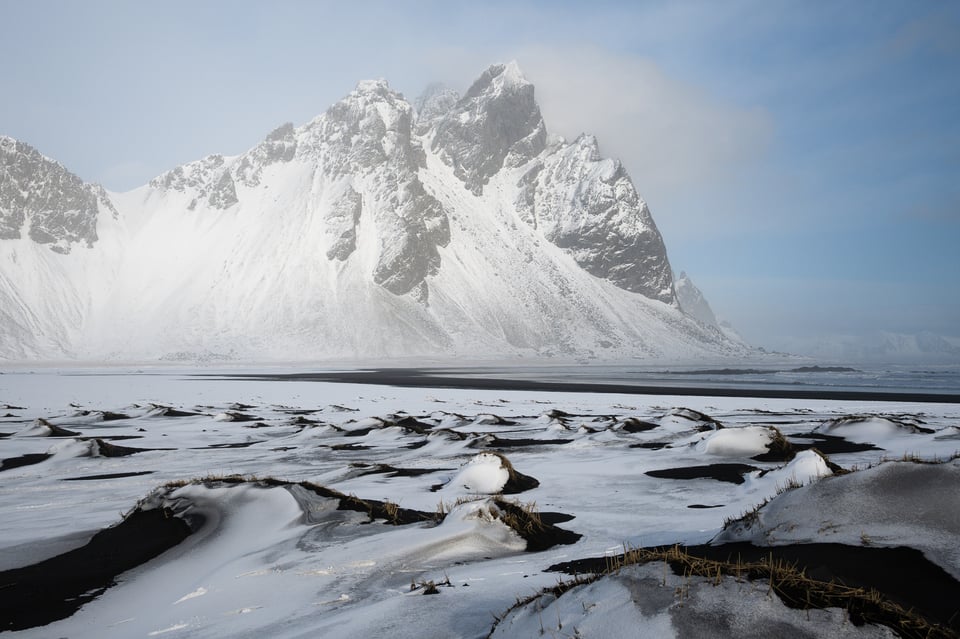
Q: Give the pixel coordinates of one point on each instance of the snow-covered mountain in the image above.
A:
(375, 230)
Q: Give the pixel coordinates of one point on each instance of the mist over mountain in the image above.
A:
(881, 347)
(458, 228)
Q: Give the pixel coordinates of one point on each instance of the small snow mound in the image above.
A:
(233, 416)
(738, 442)
(869, 426)
(71, 448)
(42, 428)
(807, 467)
(686, 419)
(952, 432)
(486, 473)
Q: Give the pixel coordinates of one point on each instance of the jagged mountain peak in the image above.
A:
(283, 132)
(378, 86)
(496, 123)
(499, 78)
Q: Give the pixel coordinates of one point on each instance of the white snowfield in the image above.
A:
(280, 560)
(356, 235)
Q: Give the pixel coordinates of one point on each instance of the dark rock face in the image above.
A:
(497, 123)
(368, 138)
(342, 221)
(279, 146)
(582, 203)
(588, 206)
(204, 177)
(40, 197)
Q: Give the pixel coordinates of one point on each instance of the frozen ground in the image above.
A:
(280, 559)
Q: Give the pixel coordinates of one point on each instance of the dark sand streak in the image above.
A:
(424, 378)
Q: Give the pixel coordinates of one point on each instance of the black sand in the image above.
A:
(56, 588)
(425, 378)
(732, 473)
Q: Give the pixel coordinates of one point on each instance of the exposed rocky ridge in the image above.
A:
(588, 206)
(361, 150)
(581, 202)
(496, 123)
(376, 230)
(693, 302)
(50, 204)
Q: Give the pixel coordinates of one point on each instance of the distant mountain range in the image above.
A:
(881, 347)
(456, 228)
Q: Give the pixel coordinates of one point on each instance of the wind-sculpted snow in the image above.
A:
(867, 508)
(332, 509)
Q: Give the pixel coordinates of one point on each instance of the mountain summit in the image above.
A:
(457, 228)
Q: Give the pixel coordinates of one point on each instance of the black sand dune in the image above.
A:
(732, 473)
(56, 588)
(634, 425)
(519, 442)
(392, 471)
(830, 444)
(23, 460)
(108, 476)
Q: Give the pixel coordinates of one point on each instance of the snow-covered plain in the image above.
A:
(279, 560)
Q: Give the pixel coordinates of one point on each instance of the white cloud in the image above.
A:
(670, 135)
(125, 175)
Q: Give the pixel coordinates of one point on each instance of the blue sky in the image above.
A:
(802, 159)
